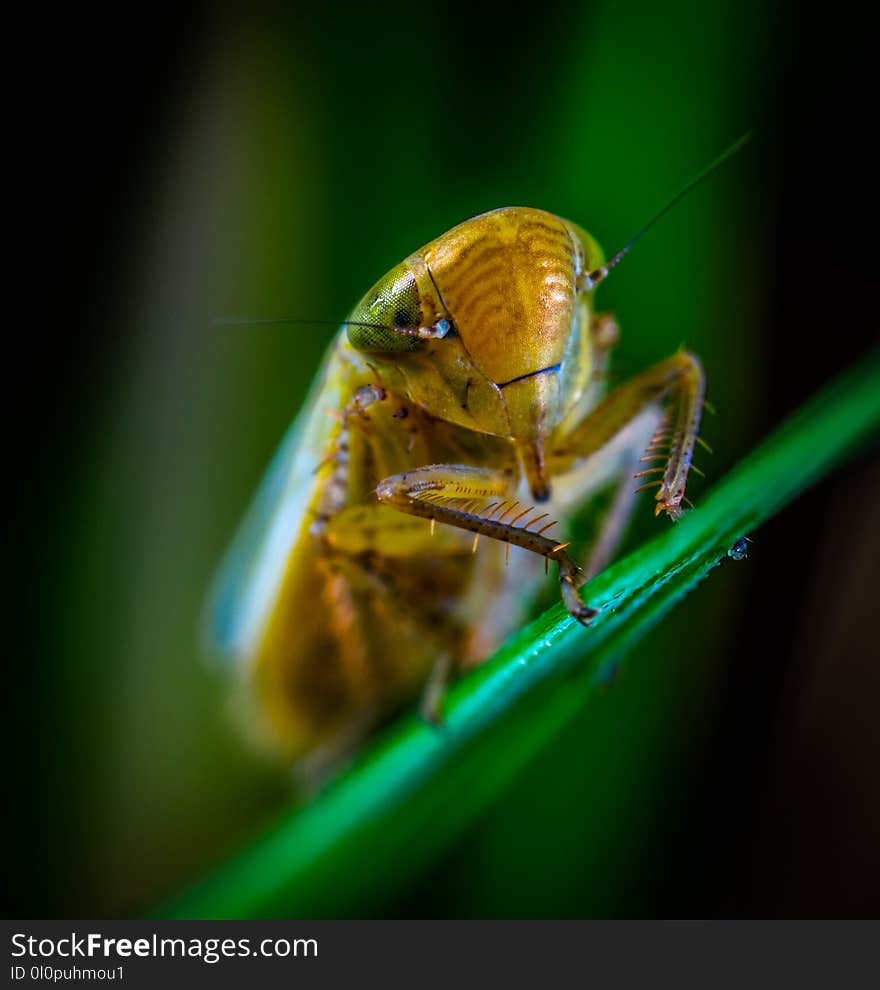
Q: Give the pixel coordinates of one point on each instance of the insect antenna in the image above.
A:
(436, 332)
(290, 321)
(597, 275)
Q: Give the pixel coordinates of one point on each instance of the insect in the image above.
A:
(459, 422)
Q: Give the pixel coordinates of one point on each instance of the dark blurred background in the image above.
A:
(188, 164)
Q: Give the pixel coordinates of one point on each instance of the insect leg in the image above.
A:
(375, 546)
(630, 444)
(435, 690)
(429, 491)
(679, 382)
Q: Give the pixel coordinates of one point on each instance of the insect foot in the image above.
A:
(671, 496)
(671, 505)
(571, 577)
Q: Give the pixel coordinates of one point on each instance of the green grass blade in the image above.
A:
(416, 788)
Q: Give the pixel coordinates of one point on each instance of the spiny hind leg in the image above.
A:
(678, 383)
(477, 500)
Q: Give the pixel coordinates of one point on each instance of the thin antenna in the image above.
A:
(435, 332)
(596, 276)
(279, 321)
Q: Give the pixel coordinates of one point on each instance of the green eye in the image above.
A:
(392, 302)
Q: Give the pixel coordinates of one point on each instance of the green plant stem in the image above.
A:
(417, 787)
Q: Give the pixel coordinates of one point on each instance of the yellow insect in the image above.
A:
(460, 411)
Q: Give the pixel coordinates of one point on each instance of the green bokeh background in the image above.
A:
(299, 158)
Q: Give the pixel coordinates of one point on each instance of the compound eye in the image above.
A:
(393, 302)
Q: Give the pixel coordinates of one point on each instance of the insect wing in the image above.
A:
(247, 583)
